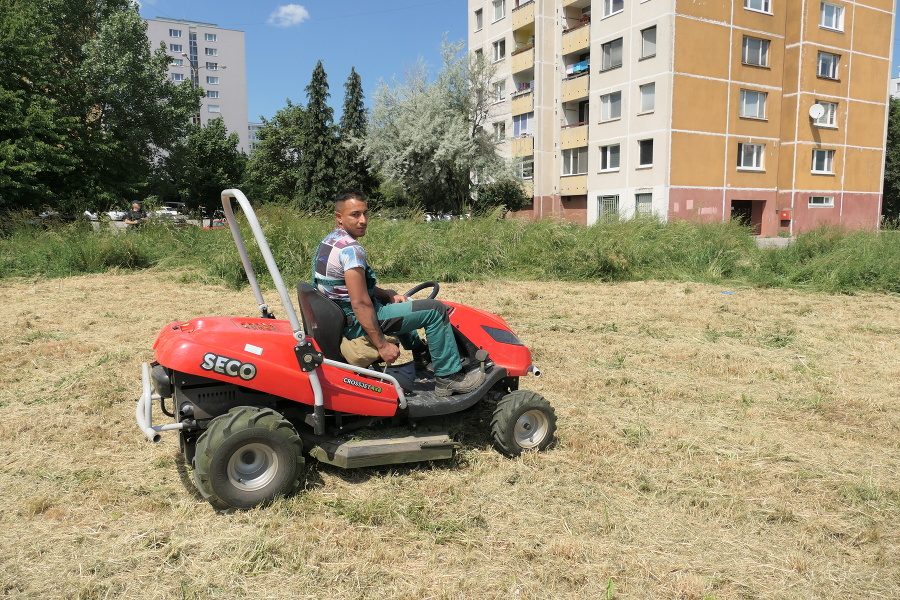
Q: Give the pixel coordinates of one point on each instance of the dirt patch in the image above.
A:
(713, 443)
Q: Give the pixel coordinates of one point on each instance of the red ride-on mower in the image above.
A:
(251, 397)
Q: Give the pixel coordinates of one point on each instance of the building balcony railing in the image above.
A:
(574, 135)
(523, 15)
(573, 185)
(576, 39)
(524, 60)
(522, 146)
(576, 88)
(522, 102)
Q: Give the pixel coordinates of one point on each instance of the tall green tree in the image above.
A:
(275, 162)
(318, 177)
(429, 138)
(204, 163)
(84, 104)
(890, 207)
(356, 171)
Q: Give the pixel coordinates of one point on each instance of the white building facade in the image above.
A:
(215, 60)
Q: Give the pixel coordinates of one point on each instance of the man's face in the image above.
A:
(135, 206)
(353, 217)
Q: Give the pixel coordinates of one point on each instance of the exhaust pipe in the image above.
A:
(534, 371)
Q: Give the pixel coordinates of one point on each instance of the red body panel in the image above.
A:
(470, 321)
(230, 349)
(259, 354)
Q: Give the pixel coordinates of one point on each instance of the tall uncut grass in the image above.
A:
(827, 259)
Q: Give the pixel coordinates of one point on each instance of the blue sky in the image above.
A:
(285, 40)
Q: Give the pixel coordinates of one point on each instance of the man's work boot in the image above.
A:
(460, 382)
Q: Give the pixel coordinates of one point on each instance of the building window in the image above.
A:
(215, 108)
(526, 168)
(750, 156)
(753, 104)
(612, 55)
(759, 5)
(174, 33)
(522, 124)
(611, 7)
(212, 80)
(177, 76)
(211, 51)
(479, 20)
(648, 42)
(575, 161)
(643, 204)
(829, 117)
(821, 201)
(611, 106)
(755, 52)
(499, 50)
(828, 65)
(177, 62)
(645, 153)
(608, 207)
(823, 161)
(500, 131)
(176, 48)
(213, 95)
(609, 157)
(499, 90)
(478, 54)
(831, 17)
(499, 9)
(212, 66)
(648, 97)
(210, 37)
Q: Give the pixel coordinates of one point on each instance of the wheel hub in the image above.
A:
(531, 428)
(252, 466)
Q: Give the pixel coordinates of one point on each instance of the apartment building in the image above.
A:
(771, 111)
(213, 59)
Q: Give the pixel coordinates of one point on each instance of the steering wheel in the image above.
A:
(422, 286)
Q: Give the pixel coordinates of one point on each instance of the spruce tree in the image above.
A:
(318, 178)
(355, 171)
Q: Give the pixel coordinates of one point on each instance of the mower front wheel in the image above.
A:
(247, 457)
(523, 421)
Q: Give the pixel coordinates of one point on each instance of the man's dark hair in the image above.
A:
(349, 194)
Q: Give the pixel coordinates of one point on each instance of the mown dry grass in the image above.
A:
(711, 445)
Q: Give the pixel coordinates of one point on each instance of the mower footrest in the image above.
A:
(349, 454)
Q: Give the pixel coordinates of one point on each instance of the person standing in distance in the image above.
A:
(342, 273)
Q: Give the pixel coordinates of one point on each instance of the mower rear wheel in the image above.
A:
(247, 457)
(523, 421)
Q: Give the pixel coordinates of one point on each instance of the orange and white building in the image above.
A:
(773, 111)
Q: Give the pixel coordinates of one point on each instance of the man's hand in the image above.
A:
(391, 296)
(389, 353)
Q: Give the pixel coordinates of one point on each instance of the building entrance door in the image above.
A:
(749, 213)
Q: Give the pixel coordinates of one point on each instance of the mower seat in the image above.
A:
(323, 320)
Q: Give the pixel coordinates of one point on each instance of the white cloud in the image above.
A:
(288, 15)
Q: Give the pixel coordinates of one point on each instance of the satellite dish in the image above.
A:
(816, 111)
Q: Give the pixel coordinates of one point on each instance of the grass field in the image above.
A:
(714, 443)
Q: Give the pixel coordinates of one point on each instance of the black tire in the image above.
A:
(247, 457)
(523, 421)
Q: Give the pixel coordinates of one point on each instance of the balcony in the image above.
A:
(573, 136)
(573, 185)
(523, 14)
(576, 88)
(522, 102)
(577, 38)
(522, 146)
(523, 59)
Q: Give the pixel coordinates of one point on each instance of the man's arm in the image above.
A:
(365, 313)
(389, 296)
